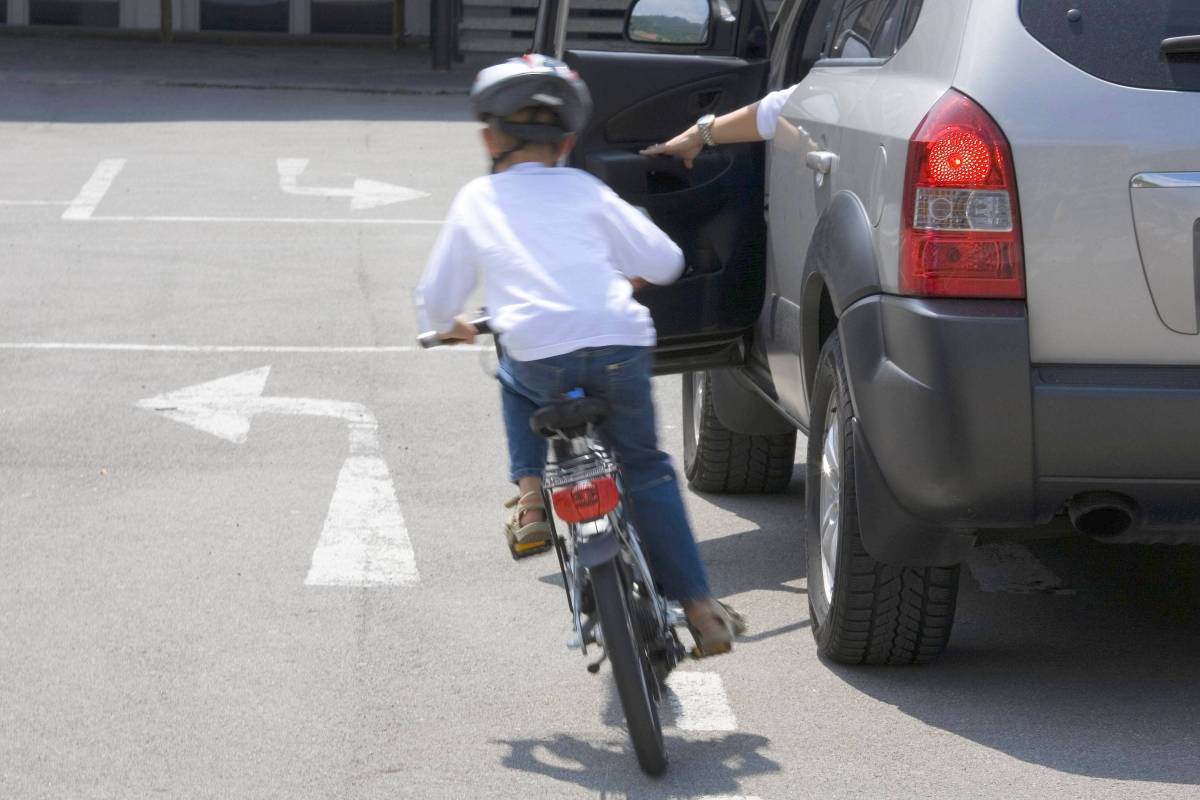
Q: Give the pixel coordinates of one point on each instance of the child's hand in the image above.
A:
(463, 331)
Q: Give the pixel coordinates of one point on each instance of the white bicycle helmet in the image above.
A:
(532, 81)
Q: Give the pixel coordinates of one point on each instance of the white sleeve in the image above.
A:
(450, 276)
(640, 247)
(769, 109)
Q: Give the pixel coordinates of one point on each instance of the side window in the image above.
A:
(868, 29)
(810, 38)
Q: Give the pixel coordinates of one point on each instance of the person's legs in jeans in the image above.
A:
(622, 376)
(526, 450)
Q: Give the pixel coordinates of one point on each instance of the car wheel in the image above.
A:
(862, 611)
(715, 459)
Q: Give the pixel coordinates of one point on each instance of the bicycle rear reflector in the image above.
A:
(586, 500)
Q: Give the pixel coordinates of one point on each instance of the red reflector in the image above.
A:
(961, 225)
(586, 500)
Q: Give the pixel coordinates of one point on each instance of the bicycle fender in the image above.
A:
(598, 549)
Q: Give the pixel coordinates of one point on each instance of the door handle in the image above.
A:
(821, 161)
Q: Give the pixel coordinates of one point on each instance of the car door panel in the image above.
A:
(714, 211)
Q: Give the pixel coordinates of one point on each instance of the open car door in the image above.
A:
(679, 60)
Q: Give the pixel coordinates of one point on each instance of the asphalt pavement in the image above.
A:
(209, 379)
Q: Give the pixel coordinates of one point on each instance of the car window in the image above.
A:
(910, 20)
(1149, 43)
(868, 29)
(810, 38)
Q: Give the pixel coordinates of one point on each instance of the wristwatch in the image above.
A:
(705, 126)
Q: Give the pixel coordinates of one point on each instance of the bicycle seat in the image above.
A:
(568, 415)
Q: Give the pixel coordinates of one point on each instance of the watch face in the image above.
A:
(707, 119)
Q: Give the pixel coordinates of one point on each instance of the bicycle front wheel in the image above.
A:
(630, 670)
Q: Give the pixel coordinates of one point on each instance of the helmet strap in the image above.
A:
(526, 134)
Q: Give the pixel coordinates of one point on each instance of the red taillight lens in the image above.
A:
(586, 500)
(961, 223)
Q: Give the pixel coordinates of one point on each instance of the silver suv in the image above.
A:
(968, 267)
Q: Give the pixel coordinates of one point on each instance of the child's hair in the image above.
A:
(535, 115)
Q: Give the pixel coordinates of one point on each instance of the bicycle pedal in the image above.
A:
(594, 667)
(519, 551)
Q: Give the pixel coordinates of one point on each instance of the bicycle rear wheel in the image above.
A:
(630, 670)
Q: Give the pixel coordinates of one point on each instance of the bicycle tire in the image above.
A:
(629, 668)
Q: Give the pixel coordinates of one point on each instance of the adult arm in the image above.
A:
(753, 123)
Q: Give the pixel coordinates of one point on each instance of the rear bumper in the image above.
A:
(957, 431)
(1130, 430)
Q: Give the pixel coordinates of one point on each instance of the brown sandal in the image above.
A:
(716, 637)
(531, 538)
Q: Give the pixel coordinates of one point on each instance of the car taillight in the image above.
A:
(586, 500)
(961, 225)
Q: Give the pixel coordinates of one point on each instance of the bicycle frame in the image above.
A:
(578, 458)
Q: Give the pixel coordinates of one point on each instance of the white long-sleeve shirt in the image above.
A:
(770, 108)
(555, 246)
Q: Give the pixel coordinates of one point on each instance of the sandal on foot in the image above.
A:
(532, 537)
(716, 636)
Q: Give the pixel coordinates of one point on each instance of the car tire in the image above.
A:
(874, 613)
(715, 459)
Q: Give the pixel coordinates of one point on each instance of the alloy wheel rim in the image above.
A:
(831, 486)
(697, 403)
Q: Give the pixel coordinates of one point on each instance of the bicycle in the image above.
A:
(611, 593)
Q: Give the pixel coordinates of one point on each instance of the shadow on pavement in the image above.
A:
(769, 553)
(714, 766)
(766, 556)
(1101, 684)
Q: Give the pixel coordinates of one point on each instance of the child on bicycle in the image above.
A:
(560, 254)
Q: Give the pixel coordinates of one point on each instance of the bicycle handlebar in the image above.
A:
(482, 326)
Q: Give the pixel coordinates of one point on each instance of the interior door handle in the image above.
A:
(821, 161)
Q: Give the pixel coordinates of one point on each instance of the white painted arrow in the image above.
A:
(363, 195)
(364, 541)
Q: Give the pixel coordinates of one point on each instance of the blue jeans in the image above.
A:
(620, 375)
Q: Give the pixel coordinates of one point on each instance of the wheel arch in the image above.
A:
(841, 267)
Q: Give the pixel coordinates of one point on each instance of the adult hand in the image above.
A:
(686, 146)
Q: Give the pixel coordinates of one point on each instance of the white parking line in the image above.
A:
(263, 220)
(94, 190)
(698, 702)
(118, 347)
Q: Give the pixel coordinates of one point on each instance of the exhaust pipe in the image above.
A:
(1103, 515)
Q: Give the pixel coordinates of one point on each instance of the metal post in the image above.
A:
(166, 20)
(398, 24)
(550, 30)
(443, 32)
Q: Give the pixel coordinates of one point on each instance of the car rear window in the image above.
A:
(1121, 41)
